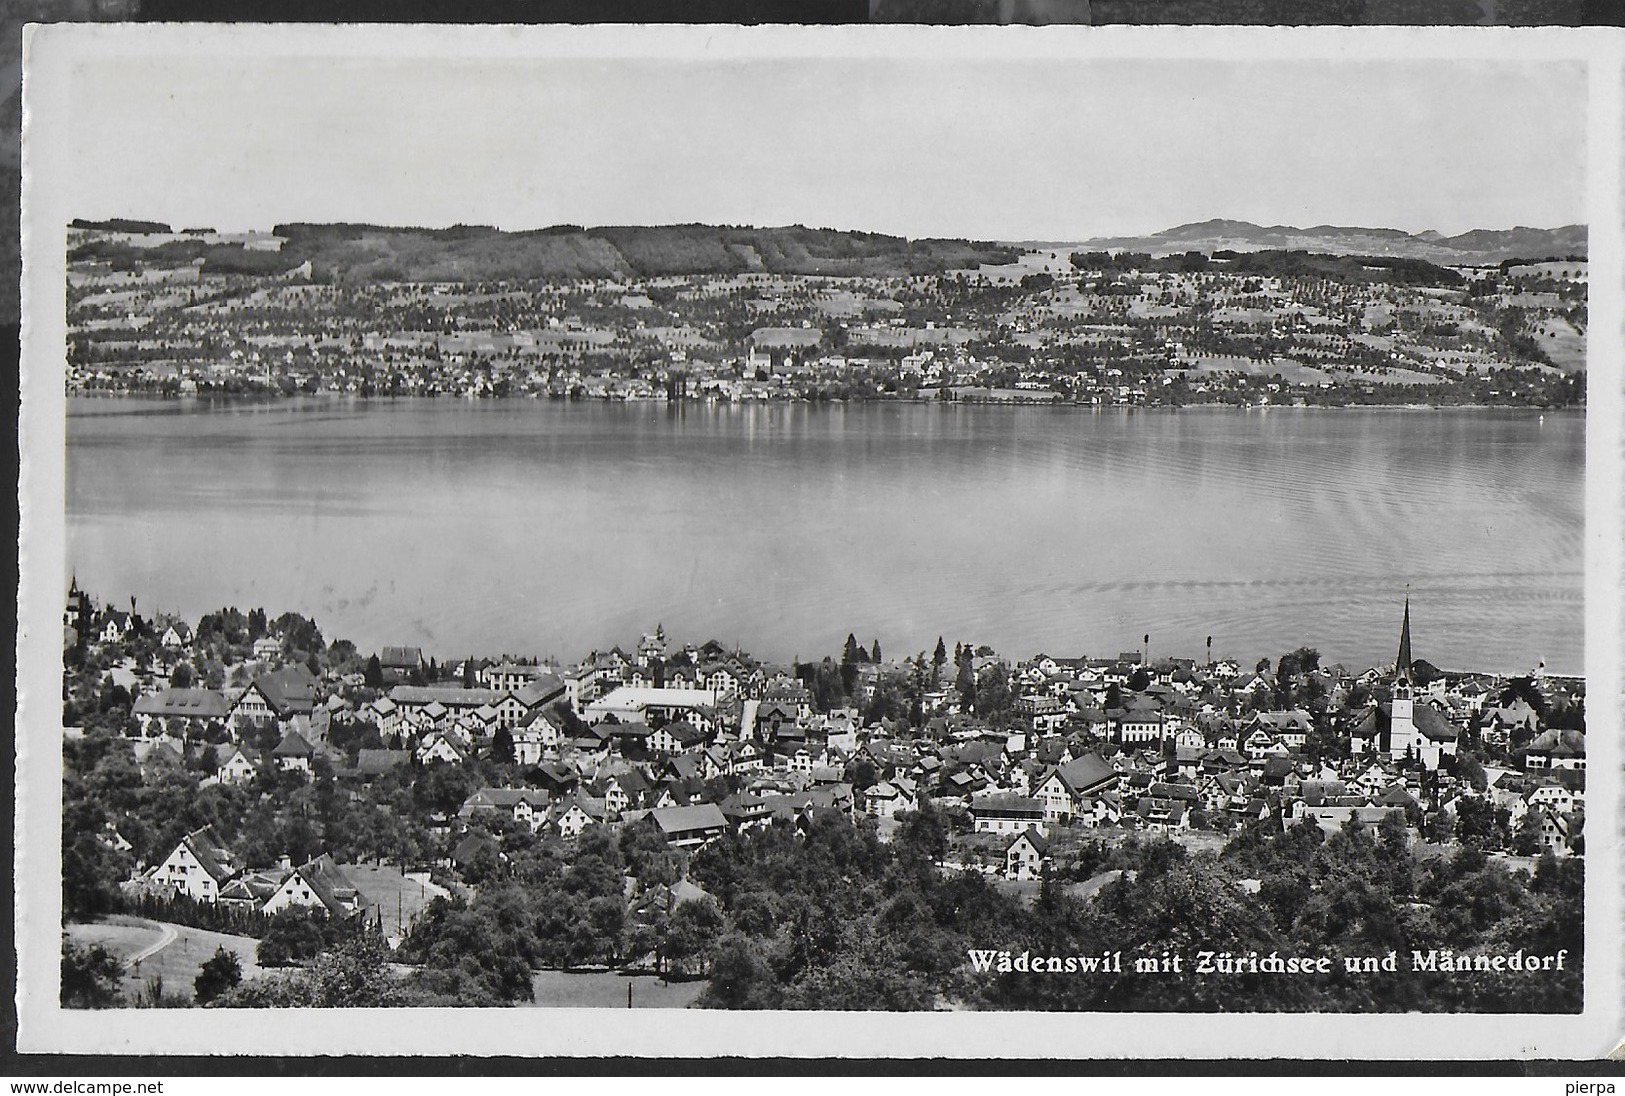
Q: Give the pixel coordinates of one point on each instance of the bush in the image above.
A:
(221, 973)
(90, 976)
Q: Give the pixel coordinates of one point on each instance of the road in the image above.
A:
(169, 936)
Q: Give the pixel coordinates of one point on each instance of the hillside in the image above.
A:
(480, 253)
(1475, 247)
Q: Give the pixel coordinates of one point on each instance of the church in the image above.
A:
(1401, 728)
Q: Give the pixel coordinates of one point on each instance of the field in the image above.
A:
(1292, 372)
(607, 989)
(388, 891)
(177, 962)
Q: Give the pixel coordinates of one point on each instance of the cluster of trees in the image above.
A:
(273, 815)
(836, 919)
(605, 901)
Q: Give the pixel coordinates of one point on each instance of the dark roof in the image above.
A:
(1006, 804)
(539, 690)
(401, 658)
(451, 696)
(331, 886)
(187, 703)
(694, 817)
(1432, 725)
(1087, 774)
(291, 689)
(1560, 743)
(293, 744)
(1039, 842)
(373, 762)
(211, 852)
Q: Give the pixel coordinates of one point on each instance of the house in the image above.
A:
(293, 753)
(198, 867)
(317, 885)
(575, 814)
(239, 768)
(690, 826)
(177, 636)
(624, 790)
(371, 763)
(275, 697)
(385, 714)
(675, 737)
(267, 647)
(516, 704)
(440, 746)
(1140, 725)
(250, 890)
(1007, 814)
(469, 850)
(1027, 855)
(1557, 749)
(1503, 720)
(526, 806)
(886, 799)
(538, 732)
(400, 664)
(1163, 814)
(116, 624)
(1552, 795)
(1066, 787)
(178, 712)
(508, 677)
(559, 780)
(631, 704)
(1556, 831)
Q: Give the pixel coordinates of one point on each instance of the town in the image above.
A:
(376, 312)
(750, 830)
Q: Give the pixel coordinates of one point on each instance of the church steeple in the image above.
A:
(1402, 666)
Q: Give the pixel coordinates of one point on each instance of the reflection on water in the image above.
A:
(551, 528)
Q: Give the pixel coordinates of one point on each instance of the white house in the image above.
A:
(1026, 856)
(317, 885)
(198, 867)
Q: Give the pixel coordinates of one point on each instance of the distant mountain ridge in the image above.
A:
(1476, 246)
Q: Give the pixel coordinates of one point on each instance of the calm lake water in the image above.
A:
(550, 529)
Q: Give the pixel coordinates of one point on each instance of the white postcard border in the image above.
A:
(54, 54)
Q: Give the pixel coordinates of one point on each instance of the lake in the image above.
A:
(550, 528)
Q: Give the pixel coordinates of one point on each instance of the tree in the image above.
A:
(965, 683)
(374, 673)
(741, 977)
(182, 676)
(691, 933)
(1526, 840)
(291, 936)
(850, 657)
(219, 974)
(874, 652)
(502, 746)
(938, 660)
(90, 976)
(1476, 823)
(923, 835)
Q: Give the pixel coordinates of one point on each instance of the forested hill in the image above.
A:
(476, 253)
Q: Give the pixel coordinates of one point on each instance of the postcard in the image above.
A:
(874, 541)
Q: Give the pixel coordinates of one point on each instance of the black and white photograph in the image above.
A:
(947, 529)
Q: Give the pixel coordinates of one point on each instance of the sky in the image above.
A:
(1015, 149)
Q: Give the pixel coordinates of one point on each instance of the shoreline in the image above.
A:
(270, 399)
